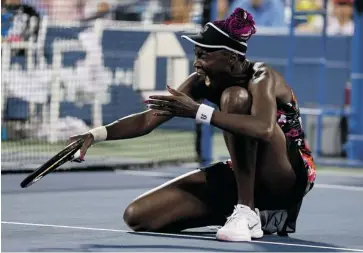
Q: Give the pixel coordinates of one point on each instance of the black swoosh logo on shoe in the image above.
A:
(251, 227)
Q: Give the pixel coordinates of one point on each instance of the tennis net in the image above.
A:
(80, 75)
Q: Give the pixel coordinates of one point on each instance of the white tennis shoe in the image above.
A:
(243, 225)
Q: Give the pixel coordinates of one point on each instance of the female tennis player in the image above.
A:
(261, 188)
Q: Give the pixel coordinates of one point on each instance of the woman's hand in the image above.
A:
(88, 140)
(178, 104)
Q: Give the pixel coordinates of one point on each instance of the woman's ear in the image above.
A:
(234, 57)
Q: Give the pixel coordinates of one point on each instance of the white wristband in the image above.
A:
(204, 114)
(99, 133)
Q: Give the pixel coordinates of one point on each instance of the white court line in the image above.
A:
(321, 186)
(144, 173)
(351, 173)
(339, 187)
(174, 235)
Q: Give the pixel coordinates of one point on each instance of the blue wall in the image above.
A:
(120, 50)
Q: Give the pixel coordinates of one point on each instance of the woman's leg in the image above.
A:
(242, 149)
(176, 205)
(256, 165)
(263, 172)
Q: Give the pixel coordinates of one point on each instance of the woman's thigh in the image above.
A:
(178, 204)
(281, 177)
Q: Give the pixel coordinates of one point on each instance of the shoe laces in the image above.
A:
(238, 209)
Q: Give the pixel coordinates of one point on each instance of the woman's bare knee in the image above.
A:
(135, 216)
(132, 216)
(155, 210)
(236, 100)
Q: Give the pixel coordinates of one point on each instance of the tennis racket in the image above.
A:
(71, 152)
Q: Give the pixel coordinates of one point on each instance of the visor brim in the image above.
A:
(198, 40)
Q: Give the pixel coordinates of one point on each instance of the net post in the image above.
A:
(355, 137)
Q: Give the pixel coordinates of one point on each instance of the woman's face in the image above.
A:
(210, 62)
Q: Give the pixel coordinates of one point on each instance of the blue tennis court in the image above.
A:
(83, 212)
